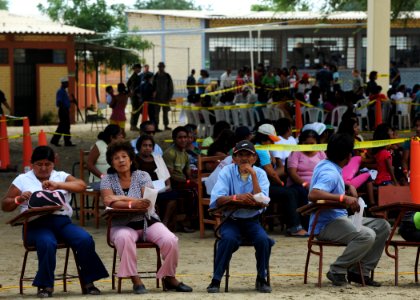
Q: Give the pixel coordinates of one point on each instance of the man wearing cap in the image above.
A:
(133, 84)
(163, 91)
(63, 104)
(238, 186)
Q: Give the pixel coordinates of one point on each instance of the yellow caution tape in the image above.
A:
(323, 147)
(171, 141)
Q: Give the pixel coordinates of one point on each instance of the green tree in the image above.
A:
(109, 23)
(282, 5)
(4, 4)
(166, 4)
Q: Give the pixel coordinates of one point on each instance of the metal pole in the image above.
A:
(259, 46)
(120, 66)
(188, 53)
(251, 53)
(85, 70)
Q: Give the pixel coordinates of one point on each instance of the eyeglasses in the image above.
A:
(150, 132)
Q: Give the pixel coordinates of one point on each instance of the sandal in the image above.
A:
(43, 293)
(300, 233)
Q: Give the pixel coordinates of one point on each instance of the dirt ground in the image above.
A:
(196, 255)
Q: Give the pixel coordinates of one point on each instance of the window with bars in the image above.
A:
(404, 50)
(308, 52)
(242, 44)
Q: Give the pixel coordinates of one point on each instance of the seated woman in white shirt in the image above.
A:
(96, 161)
(44, 231)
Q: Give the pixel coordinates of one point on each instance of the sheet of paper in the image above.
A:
(159, 185)
(151, 195)
(358, 217)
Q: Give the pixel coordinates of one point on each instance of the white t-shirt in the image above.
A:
(283, 154)
(28, 182)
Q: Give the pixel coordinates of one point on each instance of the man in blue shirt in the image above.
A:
(63, 104)
(237, 185)
(334, 225)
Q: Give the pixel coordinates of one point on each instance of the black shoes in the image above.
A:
(337, 279)
(44, 293)
(181, 287)
(70, 145)
(355, 277)
(139, 289)
(92, 290)
(168, 128)
(214, 286)
(262, 286)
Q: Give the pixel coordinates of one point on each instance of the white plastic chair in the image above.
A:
(336, 116)
(313, 114)
(252, 116)
(362, 112)
(207, 124)
(235, 117)
(220, 115)
(275, 113)
(403, 113)
(243, 112)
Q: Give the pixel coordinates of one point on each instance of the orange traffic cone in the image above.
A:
(145, 113)
(42, 138)
(4, 145)
(298, 116)
(378, 112)
(27, 145)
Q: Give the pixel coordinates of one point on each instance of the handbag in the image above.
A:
(46, 198)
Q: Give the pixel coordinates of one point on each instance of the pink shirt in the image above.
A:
(304, 164)
(383, 174)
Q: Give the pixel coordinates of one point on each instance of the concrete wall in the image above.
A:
(180, 52)
(47, 91)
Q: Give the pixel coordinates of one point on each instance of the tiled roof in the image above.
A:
(302, 15)
(11, 23)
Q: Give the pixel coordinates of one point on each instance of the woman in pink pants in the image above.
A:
(123, 187)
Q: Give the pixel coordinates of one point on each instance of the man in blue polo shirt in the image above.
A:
(237, 184)
(334, 225)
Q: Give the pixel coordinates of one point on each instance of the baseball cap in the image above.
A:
(244, 146)
(269, 130)
(136, 66)
(316, 126)
(161, 64)
(64, 79)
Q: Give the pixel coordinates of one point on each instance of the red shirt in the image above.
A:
(381, 157)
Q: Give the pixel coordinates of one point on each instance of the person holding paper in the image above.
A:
(153, 164)
(334, 225)
(124, 187)
(237, 186)
(44, 232)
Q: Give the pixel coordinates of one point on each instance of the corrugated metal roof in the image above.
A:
(271, 15)
(10, 23)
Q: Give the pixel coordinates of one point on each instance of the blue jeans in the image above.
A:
(232, 232)
(43, 233)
